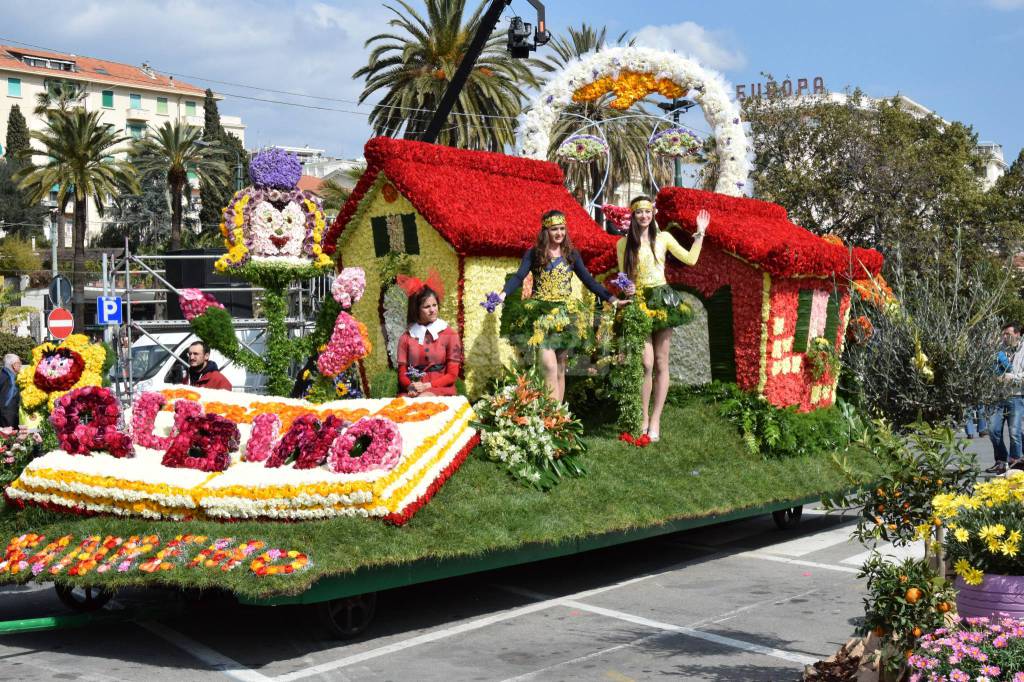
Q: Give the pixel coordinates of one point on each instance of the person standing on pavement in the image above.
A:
(1010, 409)
(202, 371)
(10, 395)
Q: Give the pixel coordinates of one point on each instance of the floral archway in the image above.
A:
(632, 73)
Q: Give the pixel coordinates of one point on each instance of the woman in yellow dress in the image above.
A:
(641, 255)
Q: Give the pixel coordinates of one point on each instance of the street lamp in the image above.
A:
(676, 106)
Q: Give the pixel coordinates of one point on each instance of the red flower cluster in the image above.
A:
(86, 420)
(59, 370)
(203, 442)
(618, 215)
(641, 442)
(308, 440)
(760, 232)
(482, 203)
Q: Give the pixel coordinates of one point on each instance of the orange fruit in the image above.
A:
(879, 631)
(917, 632)
(913, 595)
(904, 578)
(937, 521)
(943, 607)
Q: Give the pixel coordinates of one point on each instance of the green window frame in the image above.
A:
(803, 320)
(14, 87)
(134, 100)
(135, 130)
(190, 109)
(108, 99)
(161, 105)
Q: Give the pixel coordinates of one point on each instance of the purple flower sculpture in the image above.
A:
(622, 282)
(492, 302)
(275, 168)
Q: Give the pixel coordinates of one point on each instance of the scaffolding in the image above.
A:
(141, 279)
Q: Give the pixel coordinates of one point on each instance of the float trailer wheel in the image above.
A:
(786, 519)
(83, 599)
(348, 617)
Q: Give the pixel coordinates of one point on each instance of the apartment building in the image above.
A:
(130, 98)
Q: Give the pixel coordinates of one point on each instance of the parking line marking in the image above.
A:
(796, 562)
(216, 660)
(730, 642)
(811, 543)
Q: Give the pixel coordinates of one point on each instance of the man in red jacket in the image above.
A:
(202, 371)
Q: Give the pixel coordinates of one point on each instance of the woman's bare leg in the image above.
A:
(645, 393)
(549, 365)
(662, 343)
(562, 357)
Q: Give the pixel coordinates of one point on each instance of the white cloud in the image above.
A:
(308, 47)
(695, 41)
(1007, 4)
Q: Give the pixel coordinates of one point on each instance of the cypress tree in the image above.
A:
(17, 136)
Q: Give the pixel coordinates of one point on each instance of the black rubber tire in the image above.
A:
(348, 617)
(786, 519)
(83, 599)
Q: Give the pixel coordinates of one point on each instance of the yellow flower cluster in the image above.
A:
(971, 575)
(320, 259)
(659, 315)
(234, 240)
(629, 88)
(33, 398)
(997, 492)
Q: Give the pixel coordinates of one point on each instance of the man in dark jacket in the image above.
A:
(202, 371)
(10, 395)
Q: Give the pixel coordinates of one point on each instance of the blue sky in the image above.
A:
(962, 58)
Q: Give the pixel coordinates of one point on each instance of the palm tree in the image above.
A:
(334, 192)
(172, 149)
(413, 70)
(80, 161)
(626, 135)
(59, 97)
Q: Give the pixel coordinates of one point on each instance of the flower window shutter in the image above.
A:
(721, 342)
(395, 233)
(803, 320)
(832, 316)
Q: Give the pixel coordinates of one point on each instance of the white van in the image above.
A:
(154, 364)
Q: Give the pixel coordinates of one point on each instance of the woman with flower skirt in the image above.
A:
(641, 255)
(550, 319)
(429, 351)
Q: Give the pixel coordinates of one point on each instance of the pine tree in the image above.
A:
(17, 135)
(214, 199)
(211, 117)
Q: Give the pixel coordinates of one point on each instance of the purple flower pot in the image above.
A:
(996, 594)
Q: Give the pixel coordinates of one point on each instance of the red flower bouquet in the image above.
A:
(78, 435)
(203, 442)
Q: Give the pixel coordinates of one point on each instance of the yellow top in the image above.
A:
(651, 267)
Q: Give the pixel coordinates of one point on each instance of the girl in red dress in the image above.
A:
(429, 351)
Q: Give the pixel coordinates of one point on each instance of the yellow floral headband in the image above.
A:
(641, 205)
(553, 220)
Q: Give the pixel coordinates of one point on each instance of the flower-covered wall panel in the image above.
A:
(485, 351)
(356, 246)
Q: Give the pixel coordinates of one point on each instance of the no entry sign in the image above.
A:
(60, 323)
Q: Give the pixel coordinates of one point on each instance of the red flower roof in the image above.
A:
(760, 232)
(482, 203)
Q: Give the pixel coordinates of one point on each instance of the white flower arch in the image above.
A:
(712, 93)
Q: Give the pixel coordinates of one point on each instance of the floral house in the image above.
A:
(776, 296)
(469, 215)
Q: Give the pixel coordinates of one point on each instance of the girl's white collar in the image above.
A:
(419, 331)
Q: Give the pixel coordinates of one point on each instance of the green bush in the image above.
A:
(770, 431)
(21, 345)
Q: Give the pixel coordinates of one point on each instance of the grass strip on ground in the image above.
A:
(700, 468)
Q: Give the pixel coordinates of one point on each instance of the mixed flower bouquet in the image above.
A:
(984, 529)
(16, 449)
(348, 287)
(972, 649)
(582, 149)
(532, 435)
(822, 359)
(194, 302)
(679, 142)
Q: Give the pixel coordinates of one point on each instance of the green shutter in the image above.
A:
(803, 320)
(832, 317)
(381, 243)
(108, 99)
(720, 338)
(134, 101)
(190, 108)
(14, 87)
(161, 105)
(412, 241)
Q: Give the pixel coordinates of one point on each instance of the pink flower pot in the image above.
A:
(996, 594)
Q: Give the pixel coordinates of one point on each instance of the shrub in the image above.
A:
(20, 345)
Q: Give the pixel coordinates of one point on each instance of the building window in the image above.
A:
(190, 108)
(136, 130)
(14, 87)
(161, 105)
(134, 101)
(108, 99)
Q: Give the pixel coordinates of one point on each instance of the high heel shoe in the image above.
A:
(654, 436)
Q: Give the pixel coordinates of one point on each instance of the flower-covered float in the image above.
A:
(197, 453)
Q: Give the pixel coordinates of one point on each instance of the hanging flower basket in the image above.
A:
(681, 143)
(582, 149)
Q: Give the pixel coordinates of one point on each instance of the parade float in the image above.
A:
(331, 498)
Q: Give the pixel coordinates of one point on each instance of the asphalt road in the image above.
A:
(740, 601)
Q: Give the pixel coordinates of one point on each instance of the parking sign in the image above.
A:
(108, 310)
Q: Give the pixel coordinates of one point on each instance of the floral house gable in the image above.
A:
(470, 216)
(777, 296)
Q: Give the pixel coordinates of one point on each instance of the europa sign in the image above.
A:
(815, 86)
